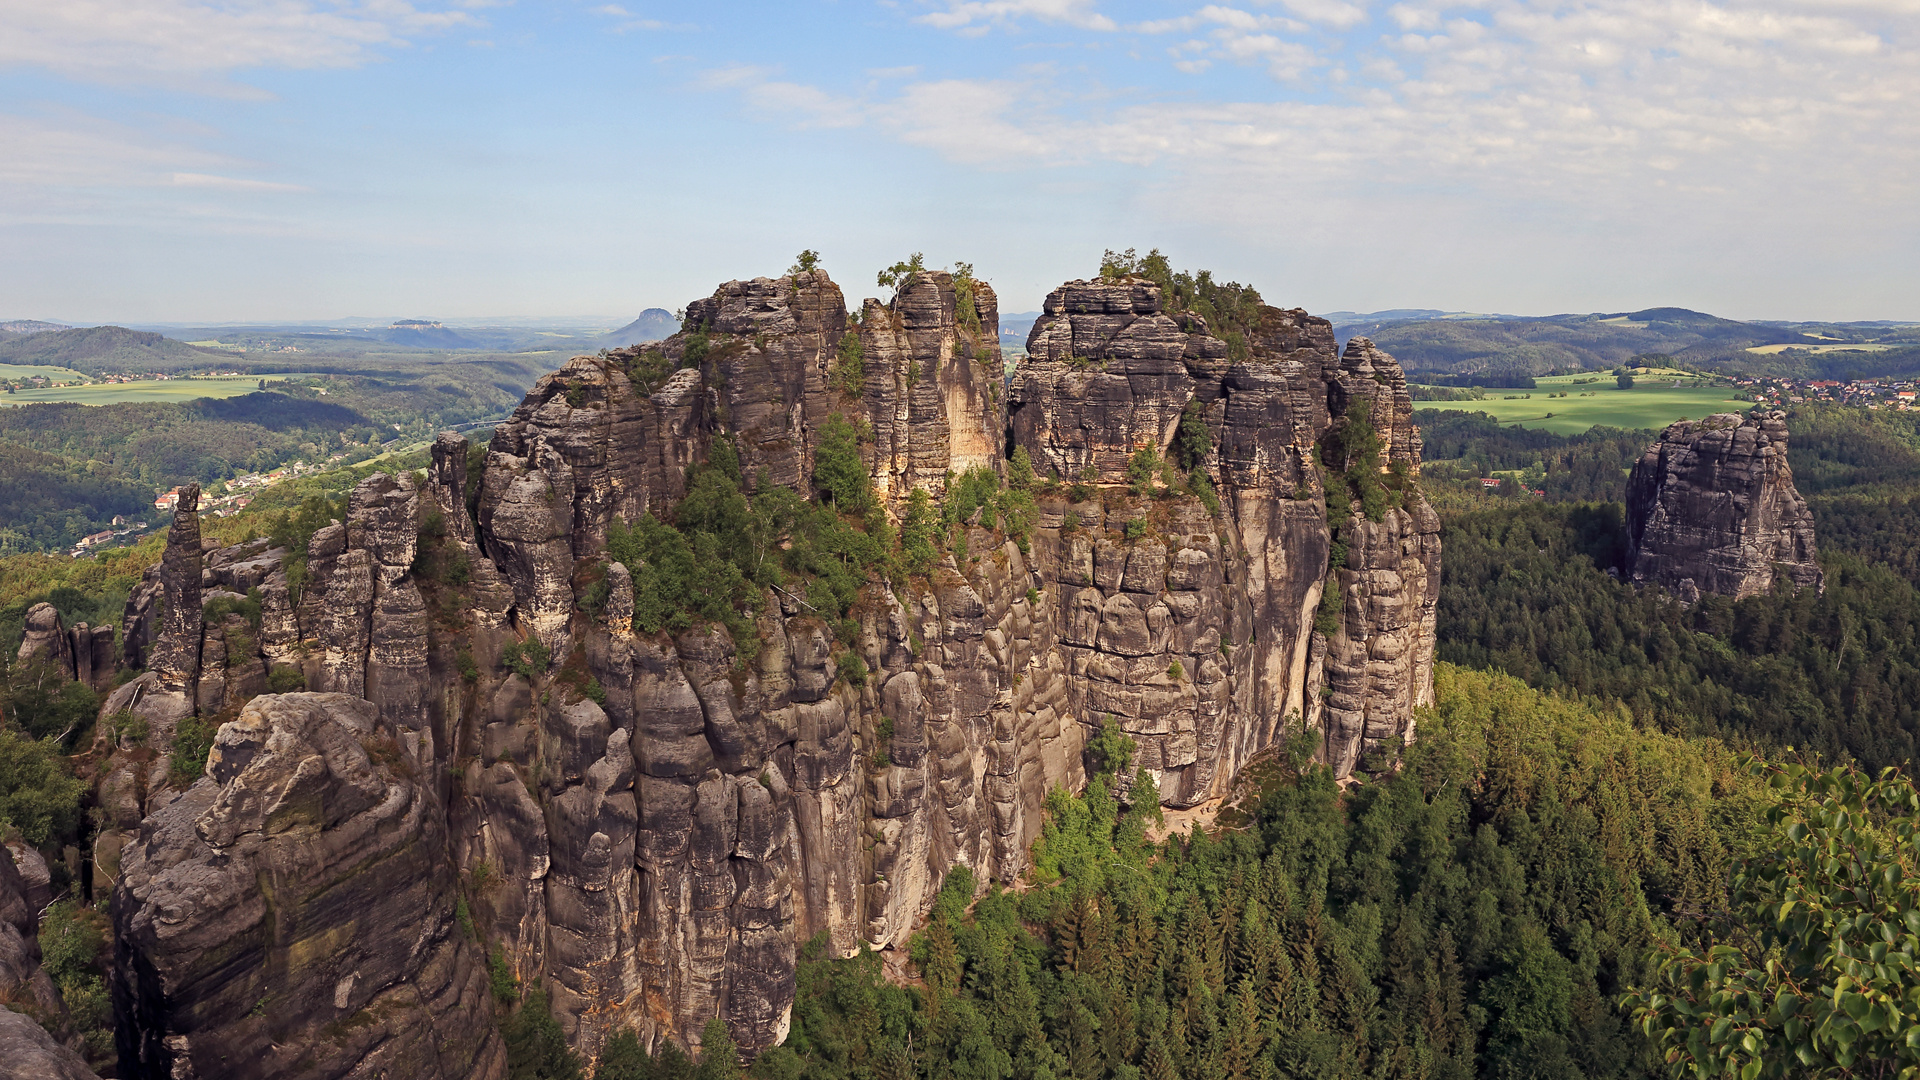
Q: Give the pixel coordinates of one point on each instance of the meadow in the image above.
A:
(165, 391)
(16, 372)
(1654, 403)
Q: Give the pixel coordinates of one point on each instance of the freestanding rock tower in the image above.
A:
(1711, 508)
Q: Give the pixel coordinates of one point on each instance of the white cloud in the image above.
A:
(74, 151)
(976, 15)
(1334, 13)
(189, 42)
(1604, 110)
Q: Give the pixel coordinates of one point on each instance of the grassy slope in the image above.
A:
(1645, 406)
(164, 391)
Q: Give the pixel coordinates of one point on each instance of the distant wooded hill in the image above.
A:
(101, 350)
(1537, 346)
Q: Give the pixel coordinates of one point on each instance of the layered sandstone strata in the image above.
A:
(292, 913)
(1711, 508)
(650, 824)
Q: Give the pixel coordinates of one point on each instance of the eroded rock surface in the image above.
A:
(650, 824)
(292, 914)
(1711, 508)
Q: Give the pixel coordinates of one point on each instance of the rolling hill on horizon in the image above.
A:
(1454, 343)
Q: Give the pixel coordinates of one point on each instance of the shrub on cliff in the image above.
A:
(38, 795)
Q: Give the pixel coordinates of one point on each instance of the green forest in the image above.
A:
(1606, 854)
(71, 468)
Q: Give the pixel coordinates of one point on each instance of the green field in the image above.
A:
(1653, 403)
(160, 390)
(15, 372)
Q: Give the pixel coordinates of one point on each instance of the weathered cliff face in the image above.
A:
(762, 803)
(30, 1005)
(1711, 508)
(1111, 373)
(649, 824)
(292, 914)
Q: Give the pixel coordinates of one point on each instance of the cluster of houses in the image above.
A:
(122, 527)
(238, 494)
(1897, 394)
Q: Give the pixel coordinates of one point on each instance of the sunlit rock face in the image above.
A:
(1711, 508)
(655, 851)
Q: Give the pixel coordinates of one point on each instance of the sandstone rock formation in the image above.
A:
(32, 1005)
(292, 914)
(650, 824)
(1711, 508)
(84, 653)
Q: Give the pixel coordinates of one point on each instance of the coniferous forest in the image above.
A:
(1604, 855)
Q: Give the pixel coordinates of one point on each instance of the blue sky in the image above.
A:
(183, 160)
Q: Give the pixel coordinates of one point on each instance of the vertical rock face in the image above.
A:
(292, 914)
(1711, 508)
(175, 657)
(46, 640)
(649, 824)
(686, 833)
(24, 987)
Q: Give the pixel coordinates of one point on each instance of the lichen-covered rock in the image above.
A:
(292, 915)
(1711, 508)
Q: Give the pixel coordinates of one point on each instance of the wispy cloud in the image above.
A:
(231, 183)
(1595, 106)
(193, 43)
(628, 21)
(977, 15)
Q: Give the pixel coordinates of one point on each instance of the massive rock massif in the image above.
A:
(1711, 508)
(649, 824)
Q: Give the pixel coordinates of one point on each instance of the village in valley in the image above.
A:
(1898, 394)
(221, 499)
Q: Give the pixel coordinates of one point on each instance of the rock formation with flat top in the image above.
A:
(1711, 508)
(650, 824)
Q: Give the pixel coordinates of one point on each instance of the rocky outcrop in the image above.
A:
(1711, 508)
(31, 1008)
(24, 987)
(175, 657)
(45, 639)
(292, 914)
(648, 824)
(685, 832)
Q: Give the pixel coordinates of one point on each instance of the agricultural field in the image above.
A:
(1653, 403)
(16, 372)
(154, 390)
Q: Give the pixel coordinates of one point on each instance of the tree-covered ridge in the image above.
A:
(1458, 448)
(48, 503)
(1526, 591)
(1474, 914)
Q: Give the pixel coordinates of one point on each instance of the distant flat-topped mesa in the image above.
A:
(1711, 508)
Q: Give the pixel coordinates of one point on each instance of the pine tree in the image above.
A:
(719, 1054)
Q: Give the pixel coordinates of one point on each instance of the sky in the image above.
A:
(282, 160)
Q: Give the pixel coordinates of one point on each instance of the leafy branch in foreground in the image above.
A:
(1815, 970)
